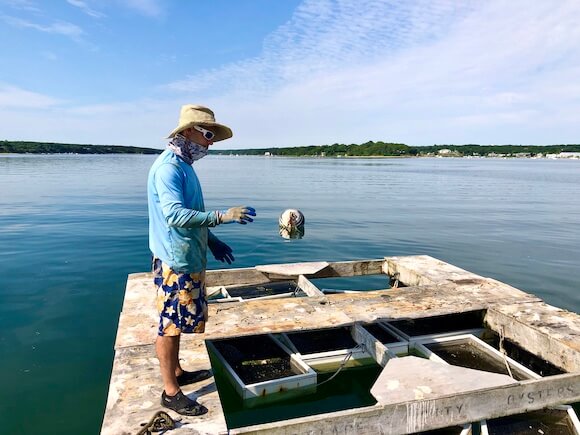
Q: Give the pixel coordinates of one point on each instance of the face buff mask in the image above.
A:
(189, 151)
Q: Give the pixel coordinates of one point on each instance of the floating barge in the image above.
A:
(437, 349)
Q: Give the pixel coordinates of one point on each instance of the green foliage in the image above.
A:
(507, 150)
(367, 149)
(387, 149)
(61, 148)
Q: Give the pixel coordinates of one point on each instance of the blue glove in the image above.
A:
(220, 250)
(240, 215)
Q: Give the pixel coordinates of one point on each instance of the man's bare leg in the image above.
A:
(167, 349)
(178, 368)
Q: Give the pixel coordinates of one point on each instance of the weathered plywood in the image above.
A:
(374, 347)
(138, 321)
(546, 331)
(252, 275)
(425, 270)
(136, 386)
(351, 268)
(412, 378)
(273, 315)
(434, 288)
(308, 287)
(226, 277)
(420, 415)
(428, 300)
(293, 269)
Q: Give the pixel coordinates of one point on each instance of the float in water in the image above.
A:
(435, 346)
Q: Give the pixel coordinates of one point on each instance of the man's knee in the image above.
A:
(167, 343)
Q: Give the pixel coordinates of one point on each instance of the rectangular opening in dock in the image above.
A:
(551, 421)
(471, 354)
(259, 366)
(322, 340)
(347, 284)
(444, 324)
(326, 350)
(269, 290)
(349, 389)
(383, 334)
(529, 360)
(453, 430)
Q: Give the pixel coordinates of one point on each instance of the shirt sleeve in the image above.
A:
(169, 181)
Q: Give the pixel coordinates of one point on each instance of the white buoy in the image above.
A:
(291, 224)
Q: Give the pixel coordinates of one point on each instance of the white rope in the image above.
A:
(342, 364)
(503, 352)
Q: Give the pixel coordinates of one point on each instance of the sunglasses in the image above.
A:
(209, 135)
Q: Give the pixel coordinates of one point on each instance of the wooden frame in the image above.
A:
(304, 376)
(427, 287)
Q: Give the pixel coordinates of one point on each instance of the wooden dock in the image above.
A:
(407, 402)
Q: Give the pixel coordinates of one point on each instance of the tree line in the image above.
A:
(367, 149)
(389, 149)
(20, 147)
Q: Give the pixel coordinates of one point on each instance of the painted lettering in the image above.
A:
(542, 394)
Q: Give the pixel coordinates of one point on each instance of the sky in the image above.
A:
(292, 72)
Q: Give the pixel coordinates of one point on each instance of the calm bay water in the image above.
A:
(73, 227)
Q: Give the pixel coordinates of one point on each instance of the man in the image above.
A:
(179, 238)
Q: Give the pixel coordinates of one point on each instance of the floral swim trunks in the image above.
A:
(181, 300)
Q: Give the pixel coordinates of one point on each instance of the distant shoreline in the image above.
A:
(371, 150)
(21, 147)
(390, 150)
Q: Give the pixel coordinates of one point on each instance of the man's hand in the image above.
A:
(221, 251)
(240, 215)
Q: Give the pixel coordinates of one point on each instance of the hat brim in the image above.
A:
(221, 131)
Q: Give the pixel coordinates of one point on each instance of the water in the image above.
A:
(349, 389)
(73, 227)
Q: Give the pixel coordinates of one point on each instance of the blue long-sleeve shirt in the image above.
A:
(178, 222)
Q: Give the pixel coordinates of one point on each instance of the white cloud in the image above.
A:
(151, 8)
(58, 27)
(83, 6)
(12, 97)
(25, 5)
(440, 72)
(349, 71)
(324, 37)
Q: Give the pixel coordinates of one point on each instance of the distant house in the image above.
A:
(445, 152)
(267, 154)
(568, 155)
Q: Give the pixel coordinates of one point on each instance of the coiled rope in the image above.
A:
(161, 421)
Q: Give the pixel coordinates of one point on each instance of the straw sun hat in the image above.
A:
(192, 114)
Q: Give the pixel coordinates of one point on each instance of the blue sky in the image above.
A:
(290, 72)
